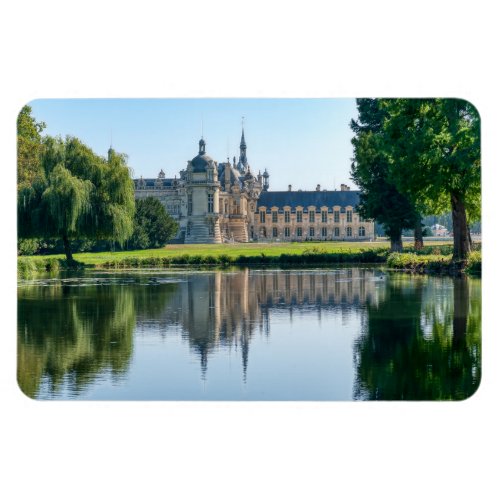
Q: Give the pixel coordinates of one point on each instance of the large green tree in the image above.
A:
(153, 226)
(78, 194)
(435, 159)
(380, 198)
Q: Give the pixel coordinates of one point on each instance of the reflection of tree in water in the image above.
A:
(68, 335)
(422, 342)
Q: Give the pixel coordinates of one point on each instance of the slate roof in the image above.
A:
(201, 162)
(318, 199)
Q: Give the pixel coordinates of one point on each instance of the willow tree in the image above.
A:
(380, 198)
(435, 159)
(78, 194)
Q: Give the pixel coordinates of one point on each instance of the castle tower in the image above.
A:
(202, 188)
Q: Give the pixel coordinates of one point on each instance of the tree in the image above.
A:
(434, 156)
(78, 194)
(380, 199)
(29, 147)
(153, 226)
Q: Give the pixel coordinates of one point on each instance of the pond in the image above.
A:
(349, 333)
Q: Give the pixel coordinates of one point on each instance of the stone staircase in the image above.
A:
(238, 230)
(199, 232)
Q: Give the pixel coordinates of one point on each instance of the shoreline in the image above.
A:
(408, 262)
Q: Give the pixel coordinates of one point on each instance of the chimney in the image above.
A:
(344, 187)
(318, 188)
(289, 187)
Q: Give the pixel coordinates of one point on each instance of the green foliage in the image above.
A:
(28, 268)
(78, 195)
(316, 257)
(473, 265)
(433, 148)
(153, 226)
(380, 199)
(28, 246)
(29, 148)
(435, 263)
(435, 151)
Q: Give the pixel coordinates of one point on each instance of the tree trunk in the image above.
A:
(419, 236)
(67, 250)
(396, 243)
(461, 242)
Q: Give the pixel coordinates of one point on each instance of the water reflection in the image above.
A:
(421, 342)
(69, 335)
(403, 338)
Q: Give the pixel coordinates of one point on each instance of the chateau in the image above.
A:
(225, 202)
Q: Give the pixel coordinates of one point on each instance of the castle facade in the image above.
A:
(225, 202)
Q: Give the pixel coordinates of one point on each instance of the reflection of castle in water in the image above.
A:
(225, 310)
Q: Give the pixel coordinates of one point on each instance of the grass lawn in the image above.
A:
(232, 250)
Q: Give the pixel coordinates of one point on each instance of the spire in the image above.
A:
(242, 142)
(243, 162)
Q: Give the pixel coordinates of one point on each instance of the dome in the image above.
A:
(201, 162)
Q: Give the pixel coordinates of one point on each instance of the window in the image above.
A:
(311, 231)
(361, 219)
(323, 232)
(361, 231)
(210, 175)
(311, 216)
(210, 203)
(299, 215)
(287, 216)
(324, 216)
(275, 216)
(349, 215)
(299, 232)
(275, 232)
(287, 232)
(349, 232)
(336, 216)
(190, 204)
(336, 232)
(262, 217)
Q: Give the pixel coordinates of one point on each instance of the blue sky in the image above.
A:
(302, 142)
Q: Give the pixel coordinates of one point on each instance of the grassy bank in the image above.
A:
(436, 264)
(251, 254)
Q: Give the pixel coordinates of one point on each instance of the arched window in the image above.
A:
(361, 231)
(336, 232)
(349, 232)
